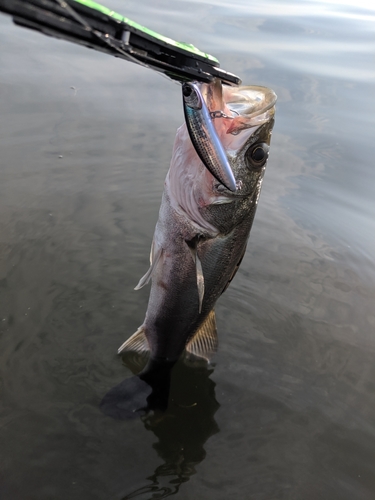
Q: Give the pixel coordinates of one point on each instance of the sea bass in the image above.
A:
(204, 225)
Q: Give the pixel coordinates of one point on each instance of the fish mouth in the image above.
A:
(251, 101)
(251, 106)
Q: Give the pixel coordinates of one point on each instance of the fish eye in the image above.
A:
(257, 154)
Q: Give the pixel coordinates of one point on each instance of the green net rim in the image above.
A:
(118, 17)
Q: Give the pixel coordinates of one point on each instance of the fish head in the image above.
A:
(248, 150)
(245, 117)
(244, 128)
(245, 132)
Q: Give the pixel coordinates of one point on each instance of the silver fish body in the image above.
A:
(201, 235)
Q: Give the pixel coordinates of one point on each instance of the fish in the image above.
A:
(204, 222)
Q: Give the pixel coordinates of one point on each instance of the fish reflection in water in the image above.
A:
(182, 419)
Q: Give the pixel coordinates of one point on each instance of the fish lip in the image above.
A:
(208, 146)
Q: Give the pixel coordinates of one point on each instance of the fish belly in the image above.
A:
(173, 308)
(174, 312)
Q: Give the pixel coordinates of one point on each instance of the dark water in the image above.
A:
(287, 410)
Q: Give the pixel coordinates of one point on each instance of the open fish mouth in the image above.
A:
(250, 106)
(249, 101)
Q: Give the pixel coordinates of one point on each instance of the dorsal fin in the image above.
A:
(137, 342)
(155, 255)
(204, 342)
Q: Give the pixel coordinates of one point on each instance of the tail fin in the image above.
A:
(136, 396)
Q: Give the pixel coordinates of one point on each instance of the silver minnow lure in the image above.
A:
(204, 136)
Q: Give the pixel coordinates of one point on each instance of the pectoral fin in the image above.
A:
(204, 342)
(137, 342)
(192, 244)
(155, 255)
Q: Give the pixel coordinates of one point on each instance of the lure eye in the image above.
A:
(191, 96)
(187, 90)
(257, 154)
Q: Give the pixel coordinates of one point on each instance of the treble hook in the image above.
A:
(220, 114)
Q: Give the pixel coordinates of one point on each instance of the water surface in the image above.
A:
(287, 410)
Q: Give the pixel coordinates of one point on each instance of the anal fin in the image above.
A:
(137, 342)
(204, 342)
